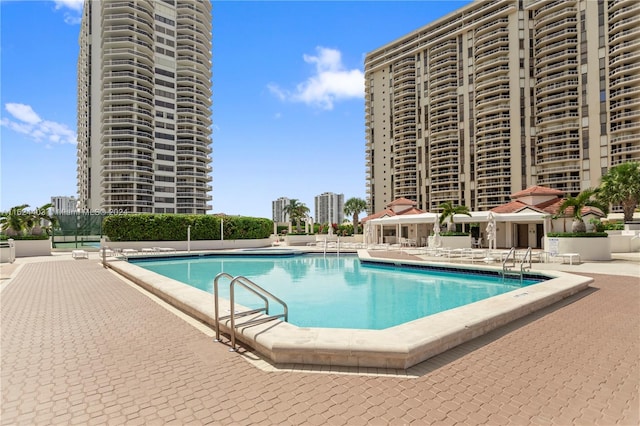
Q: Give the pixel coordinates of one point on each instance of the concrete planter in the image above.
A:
(299, 240)
(624, 241)
(28, 248)
(589, 248)
(193, 245)
(463, 241)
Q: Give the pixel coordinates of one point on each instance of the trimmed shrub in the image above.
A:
(577, 234)
(4, 237)
(173, 227)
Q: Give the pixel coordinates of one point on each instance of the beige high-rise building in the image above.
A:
(501, 95)
(144, 106)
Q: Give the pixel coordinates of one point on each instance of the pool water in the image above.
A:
(337, 292)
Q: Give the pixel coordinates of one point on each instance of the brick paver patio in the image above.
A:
(80, 346)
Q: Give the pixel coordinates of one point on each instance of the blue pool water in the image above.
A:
(338, 292)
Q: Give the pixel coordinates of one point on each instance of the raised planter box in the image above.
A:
(455, 242)
(299, 240)
(624, 241)
(193, 245)
(28, 248)
(589, 248)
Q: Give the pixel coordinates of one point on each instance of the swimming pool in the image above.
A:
(339, 292)
(398, 347)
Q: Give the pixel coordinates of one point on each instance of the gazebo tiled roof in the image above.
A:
(514, 207)
(411, 209)
(537, 190)
(551, 207)
(402, 202)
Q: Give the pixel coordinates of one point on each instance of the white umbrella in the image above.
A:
(436, 231)
(491, 231)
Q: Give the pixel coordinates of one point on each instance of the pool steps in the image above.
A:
(398, 347)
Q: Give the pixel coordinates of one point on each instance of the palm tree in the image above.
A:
(353, 207)
(621, 185)
(40, 215)
(448, 211)
(296, 211)
(14, 221)
(584, 199)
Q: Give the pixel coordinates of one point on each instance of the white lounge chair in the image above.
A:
(164, 249)
(79, 254)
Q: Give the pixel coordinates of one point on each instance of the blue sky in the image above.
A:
(288, 107)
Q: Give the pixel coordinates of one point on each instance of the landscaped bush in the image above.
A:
(577, 234)
(4, 237)
(173, 227)
(454, 234)
(614, 226)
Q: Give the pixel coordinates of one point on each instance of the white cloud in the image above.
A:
(70, 4)
(23, 113)
(26, 121)
(74, 16)
(331, 82)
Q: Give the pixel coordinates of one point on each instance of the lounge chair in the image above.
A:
(164, 249)
(79, 254)
(476, 243)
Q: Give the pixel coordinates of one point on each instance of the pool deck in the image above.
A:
(80, 345)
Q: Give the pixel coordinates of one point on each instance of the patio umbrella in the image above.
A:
(491, 231)
(436, 231)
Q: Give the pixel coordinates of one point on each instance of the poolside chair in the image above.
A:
(106, 251)
(79, 254)
(476, 242)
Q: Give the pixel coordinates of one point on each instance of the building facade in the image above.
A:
(278, 210)
(329, 208)
(502, 95)
(144, 106)
(64, 204)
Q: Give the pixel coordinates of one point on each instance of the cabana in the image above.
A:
(525, 228)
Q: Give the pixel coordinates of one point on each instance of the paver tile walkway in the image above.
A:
(80, 346)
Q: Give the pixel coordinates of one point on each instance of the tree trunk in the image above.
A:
(628, 207)
(578, 226)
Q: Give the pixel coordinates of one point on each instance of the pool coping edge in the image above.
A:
(399, 347)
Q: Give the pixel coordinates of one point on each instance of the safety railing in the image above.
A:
(254, 289)
(527, 255)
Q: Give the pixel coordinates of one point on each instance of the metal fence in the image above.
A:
(77, 230)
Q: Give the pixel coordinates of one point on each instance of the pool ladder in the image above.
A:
(256, 290)
(512, 253)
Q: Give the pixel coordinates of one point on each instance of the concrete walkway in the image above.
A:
(81, 346)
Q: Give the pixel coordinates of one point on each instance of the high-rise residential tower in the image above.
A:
(278, 213)
(144, 106)
(329, 208)
(501, 95)
(63, 204)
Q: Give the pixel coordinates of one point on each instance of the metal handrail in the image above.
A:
(524, 259)
(216, 315)
(254, 289)
(504, 262)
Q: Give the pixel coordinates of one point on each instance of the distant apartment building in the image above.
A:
(502, 95)
(64, 205)
(329, 208)
(144, 106)
(278, 209)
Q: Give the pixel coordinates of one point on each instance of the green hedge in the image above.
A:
(577, 234)
(614, 226)
(4, 237)
(173, 227)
